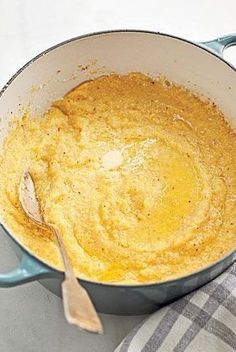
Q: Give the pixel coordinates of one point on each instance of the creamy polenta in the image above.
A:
(137, 174)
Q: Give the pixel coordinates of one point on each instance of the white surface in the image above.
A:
(31, 319)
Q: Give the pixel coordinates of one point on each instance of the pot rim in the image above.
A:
(100, 33)
(94, 34)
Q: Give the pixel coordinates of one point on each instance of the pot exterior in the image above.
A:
(131, 300)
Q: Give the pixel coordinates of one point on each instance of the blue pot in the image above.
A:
(197, 66)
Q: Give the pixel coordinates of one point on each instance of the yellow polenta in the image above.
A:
(137, 174)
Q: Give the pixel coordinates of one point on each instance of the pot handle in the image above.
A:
(29, 269)
(220, 44)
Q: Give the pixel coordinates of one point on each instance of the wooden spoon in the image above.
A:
(78, 307)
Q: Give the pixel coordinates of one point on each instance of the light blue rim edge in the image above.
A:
(30, 268)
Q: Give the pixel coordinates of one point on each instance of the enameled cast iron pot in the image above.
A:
(51, 74)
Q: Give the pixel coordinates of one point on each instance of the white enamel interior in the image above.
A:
(182, 62)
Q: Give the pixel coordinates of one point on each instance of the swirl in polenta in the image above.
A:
(137, 174)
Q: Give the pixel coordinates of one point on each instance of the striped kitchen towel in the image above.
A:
(202, 321)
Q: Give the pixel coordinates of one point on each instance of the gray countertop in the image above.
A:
(31, 318)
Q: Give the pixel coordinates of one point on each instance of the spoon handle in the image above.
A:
(78, 307)
(66, 261)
